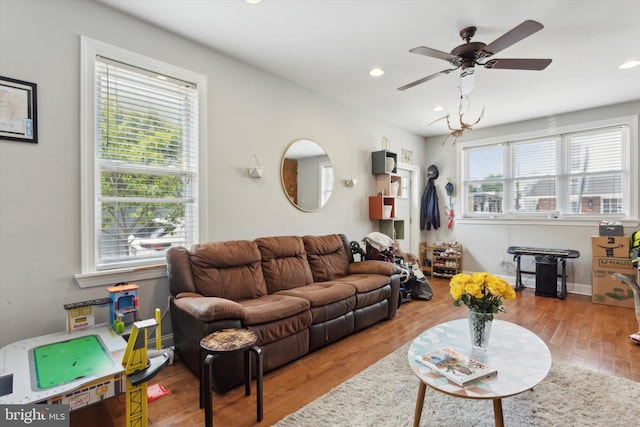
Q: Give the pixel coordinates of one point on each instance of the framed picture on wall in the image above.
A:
(18, 110)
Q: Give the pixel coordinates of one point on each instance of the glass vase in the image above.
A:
(479, 329)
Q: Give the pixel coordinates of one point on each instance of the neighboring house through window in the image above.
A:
(140, 158)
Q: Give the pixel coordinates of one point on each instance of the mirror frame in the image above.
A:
(284, 188)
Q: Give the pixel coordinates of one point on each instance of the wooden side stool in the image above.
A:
(227, 341)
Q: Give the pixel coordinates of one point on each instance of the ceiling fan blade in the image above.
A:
(513, 36)
(427, 51)
(518, 64)
(424, 79)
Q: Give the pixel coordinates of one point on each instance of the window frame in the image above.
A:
(630, 176)
(90, 275)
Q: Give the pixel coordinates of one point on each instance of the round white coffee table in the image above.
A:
(521, 357)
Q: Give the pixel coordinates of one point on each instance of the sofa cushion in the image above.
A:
(320, 294)
(328, 300)
(365, 282)
(370, 288)
(327, 256)
(284, 262)
(274, 317)
(269, 308)
(229, 270)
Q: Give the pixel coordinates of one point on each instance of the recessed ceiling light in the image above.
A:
(438, 108)
(630, 64)
(376, 72)
(253, 1)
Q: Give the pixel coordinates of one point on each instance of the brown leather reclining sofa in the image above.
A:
(296, 293)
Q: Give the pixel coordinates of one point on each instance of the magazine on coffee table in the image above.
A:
(457, 367)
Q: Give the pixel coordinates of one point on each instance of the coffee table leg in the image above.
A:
(422, 388)
(497, 412)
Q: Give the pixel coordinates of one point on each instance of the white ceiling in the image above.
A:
(329, 46)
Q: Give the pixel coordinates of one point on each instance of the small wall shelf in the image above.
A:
(379, 204)
(379, 160)
(393, 228)
(388, 184)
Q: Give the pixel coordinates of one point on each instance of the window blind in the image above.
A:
(596, 169)
(484, 178)
(534, 170)
(145, 165)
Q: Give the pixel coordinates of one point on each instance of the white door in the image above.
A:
(406, 205)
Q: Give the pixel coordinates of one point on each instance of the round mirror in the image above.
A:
(307, 175)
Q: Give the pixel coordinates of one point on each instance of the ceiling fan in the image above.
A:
(470, 54)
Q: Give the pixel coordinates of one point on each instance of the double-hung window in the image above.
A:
(141, 149)
(578, 173)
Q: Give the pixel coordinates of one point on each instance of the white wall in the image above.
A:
(250, 111)
(485, 245)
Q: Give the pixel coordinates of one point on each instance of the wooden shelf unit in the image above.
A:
(388, 187)
(445, 259)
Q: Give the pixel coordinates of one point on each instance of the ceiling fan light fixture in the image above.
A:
(467, 81)
(376, 72)
(630, 64)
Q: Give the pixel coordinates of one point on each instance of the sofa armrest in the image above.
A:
(208, 309)
(374, 267)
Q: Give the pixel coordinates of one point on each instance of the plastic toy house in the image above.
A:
(124, 304)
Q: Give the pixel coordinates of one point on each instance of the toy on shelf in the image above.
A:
(80, 314)
(123, 301)
(124, 305)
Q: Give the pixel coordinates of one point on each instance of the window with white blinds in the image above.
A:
(576, 173)
(145, 169)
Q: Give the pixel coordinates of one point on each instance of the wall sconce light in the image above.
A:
(350, 181)
(254, 169)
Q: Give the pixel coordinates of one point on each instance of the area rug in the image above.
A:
(385, 393)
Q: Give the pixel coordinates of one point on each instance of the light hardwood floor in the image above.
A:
(587, 335)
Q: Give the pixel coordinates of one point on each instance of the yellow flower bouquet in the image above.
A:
(481, 292)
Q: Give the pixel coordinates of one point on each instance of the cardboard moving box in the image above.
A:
(610, 246)
(606, 289)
